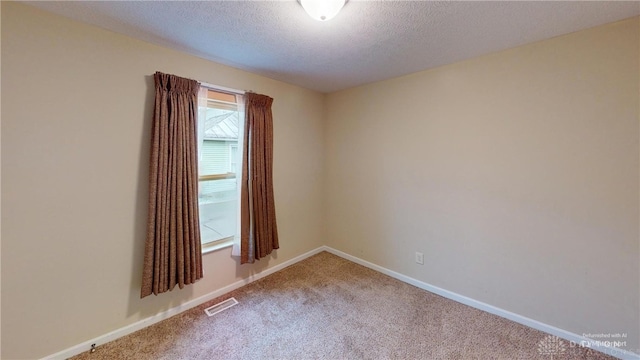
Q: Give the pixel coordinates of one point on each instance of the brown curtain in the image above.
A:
(172, 252)
(258, 232)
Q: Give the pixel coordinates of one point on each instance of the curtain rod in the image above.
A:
(222, 88)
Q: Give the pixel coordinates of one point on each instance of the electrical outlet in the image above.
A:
(419, 258)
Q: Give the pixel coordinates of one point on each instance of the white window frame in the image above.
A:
(234, 239)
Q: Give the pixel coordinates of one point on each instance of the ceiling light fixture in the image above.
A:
(322, 10)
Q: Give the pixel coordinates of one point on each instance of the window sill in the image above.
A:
(218, 246)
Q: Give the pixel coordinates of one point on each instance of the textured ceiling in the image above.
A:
(368, 41)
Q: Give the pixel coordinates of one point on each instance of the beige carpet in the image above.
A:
(326, 307)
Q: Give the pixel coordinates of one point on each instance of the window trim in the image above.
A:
(217, 245)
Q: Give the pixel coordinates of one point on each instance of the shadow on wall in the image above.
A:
(246, 270)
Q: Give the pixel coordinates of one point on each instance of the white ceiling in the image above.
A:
(368, 41)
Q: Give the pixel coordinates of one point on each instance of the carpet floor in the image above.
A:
(326, 307)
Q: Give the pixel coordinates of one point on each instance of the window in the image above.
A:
(219, 126)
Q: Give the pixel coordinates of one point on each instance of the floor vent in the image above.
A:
(220, 306)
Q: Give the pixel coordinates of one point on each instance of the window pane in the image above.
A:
(218, 209)
(217, 166)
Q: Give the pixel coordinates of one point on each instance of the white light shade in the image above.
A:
(322, 10)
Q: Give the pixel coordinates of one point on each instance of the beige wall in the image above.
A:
(516, 174)
(76, 113)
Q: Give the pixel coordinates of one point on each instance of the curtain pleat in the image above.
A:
(172, 249)
(259, 233)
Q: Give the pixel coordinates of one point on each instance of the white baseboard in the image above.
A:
(569, 336)
(126, 330)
